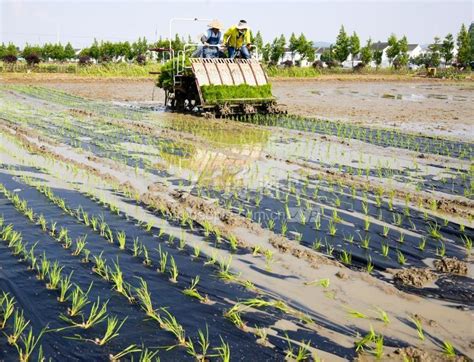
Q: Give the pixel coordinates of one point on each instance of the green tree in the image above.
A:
(277, 49)
(471, 36)
(258, 41)
(293, 45)
(342, 46)
(447, 48)
(354, 46)
(402, 58)
(10, 53)
(69, 52)
(464, 46)
(377, 56)
(393, 49)
(435, 49)
(305, 48)
(366, 52)
(266, 52)
(2, 50)
(32, 54)
(94, 50)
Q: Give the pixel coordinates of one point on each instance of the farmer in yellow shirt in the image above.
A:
(236, 38)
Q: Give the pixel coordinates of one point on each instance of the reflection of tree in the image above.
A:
(224, 162)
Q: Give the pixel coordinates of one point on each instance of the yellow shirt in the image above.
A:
(233, 39)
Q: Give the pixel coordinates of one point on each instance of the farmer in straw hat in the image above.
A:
(236, 38)
(211, 40)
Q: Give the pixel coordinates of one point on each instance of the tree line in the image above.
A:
(441, 50)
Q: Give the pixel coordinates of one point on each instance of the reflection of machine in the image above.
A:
(218, 86)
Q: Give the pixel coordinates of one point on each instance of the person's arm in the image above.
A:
(227, 35)
(247, 40)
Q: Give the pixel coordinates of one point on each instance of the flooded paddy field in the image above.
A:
(131, 232)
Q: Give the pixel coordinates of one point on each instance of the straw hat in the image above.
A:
(215, 24)
(242, 25)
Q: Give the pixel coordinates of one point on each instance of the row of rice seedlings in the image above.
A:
(141, 249)
(384, 137)
(79, 299)
(25, 344)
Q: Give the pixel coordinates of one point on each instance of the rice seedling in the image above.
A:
(196, 251)
(284, 228)
(422, 243)
(170, 324)
(7, 307)
(28, 345)
(19, 325)
(321, 282)
(467, 243)
(419, 328)
(54, 276)
(163, 260)
(233, 242)
(136, 249)
(317, 222)
(86, 253)
(42, 222)
(441, 251)
(32, 258)
(94, 223)
(401, 257)
(146, 256)
(378, 348)
(116, 277)
(401, 238)
(147, 355)
(434, 231)
(385, 249)
(234, 316)
(224, 269)
(332, 228)
(212, 259)
(346, 257)
(97, 314)
(64, 286)
(43, 269)
(203, 342)
(223, 351)
(173, 270)
(170, 241)
(52, 229)
(366, 223)
(79, 299)
(383, 316)
(356, 314)
(193, 292)
(364, 341)
(122, 239)
(370, 265)
(365, 241)
(100, 266)
(80, 245)
(109, 236)
(144, 297)
(448, 349)
(125, 352)
(111, 332)
(262, 334)
(182, 242)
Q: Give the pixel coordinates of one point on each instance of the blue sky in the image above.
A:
(82, 21)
